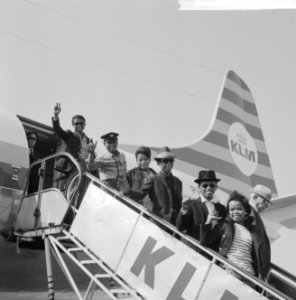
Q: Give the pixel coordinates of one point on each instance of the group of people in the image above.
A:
(235, 231)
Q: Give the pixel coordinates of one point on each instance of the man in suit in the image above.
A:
(260, 199)
(164, 189)
(32, 138)
(194, 212)
(75, 142)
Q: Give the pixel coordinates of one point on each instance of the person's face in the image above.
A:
(143, 161)
(208, 189)
(111, 145)
(260, 202)
(166, 165)
(237, 211)
(32, 142)
(78, 124)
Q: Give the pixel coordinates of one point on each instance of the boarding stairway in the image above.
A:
(91, 265)
(123, 249)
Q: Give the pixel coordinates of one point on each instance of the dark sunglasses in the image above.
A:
(167, 160)
(211, 185)
(78, 123)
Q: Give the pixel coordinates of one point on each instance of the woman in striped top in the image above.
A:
(233, 238)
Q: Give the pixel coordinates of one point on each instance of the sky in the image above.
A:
(149, 71)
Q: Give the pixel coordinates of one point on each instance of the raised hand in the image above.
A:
(57, 109)
(91, 146)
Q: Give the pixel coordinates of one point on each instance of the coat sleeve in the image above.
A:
(211, 237)
(145, 189)
(58, 129)
(93, 164)
(180, 196)
(185, 221)
(129, 176)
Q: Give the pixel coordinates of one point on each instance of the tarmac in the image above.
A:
(99, 295)
(23, 275)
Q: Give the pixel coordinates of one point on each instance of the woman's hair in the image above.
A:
(143, 150)
(236, 196)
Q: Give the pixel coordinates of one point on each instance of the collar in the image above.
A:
(253, 205)
(203, 199)
(80, 135)
(165, 175)
(144, 170)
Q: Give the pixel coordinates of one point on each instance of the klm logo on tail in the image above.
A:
(242, 148)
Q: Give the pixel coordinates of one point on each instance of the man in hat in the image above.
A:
(75, 142)
(32, 138)
(260, 199)
(111, 165)
(195, 212)
(164, 189)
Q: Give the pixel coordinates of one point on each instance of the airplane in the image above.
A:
(233, 146)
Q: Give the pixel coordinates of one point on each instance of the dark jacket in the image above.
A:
(196, 216)
(33, 155)
(221, 237)
(163, 203)
(261, 243)
(71, 142)
(135, 179)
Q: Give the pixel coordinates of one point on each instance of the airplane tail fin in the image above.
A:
(234, 144)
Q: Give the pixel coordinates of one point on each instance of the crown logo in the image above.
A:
(241, 139)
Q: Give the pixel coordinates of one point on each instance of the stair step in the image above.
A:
(74, 249)
(119, 291)
(87, 262)
(62, 238)
(102, 276)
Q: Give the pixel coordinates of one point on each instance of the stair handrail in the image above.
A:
(175, 232)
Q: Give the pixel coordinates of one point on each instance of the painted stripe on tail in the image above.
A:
(234, 146)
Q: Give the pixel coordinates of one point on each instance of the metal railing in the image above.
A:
(215, 258)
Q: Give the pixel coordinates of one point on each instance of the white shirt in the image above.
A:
(209, 204)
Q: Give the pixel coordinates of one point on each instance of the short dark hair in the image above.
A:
(78, 117)
(236, 196)
(143, 150)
